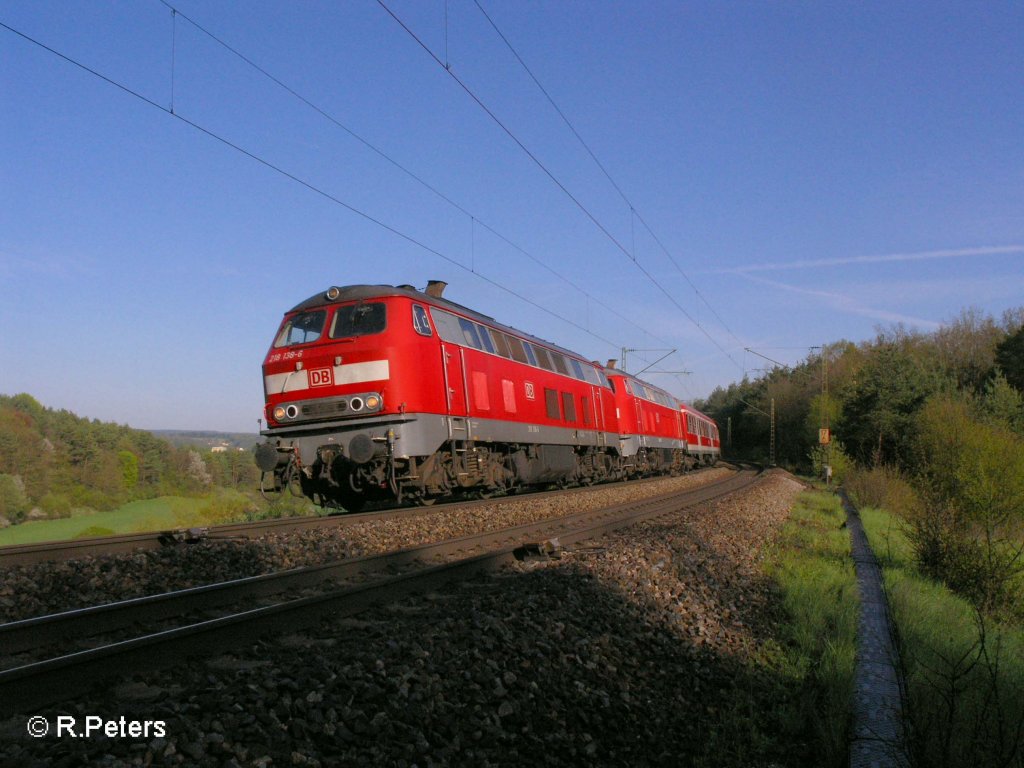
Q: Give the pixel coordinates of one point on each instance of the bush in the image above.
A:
(227, 507)
(831, 455)
(964, 672)
(970, 531)
(283, 505)
(55, 505)
(14, 503)
(81, 496)
(884, 488)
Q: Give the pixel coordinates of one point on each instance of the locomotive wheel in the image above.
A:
(292, 480)
(263, 489)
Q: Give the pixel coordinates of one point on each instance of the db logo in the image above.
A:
(530, 394)
(321, 377)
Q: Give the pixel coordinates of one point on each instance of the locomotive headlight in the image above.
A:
(356, 404)
(372, 402)
(279, 413)
(291, 411)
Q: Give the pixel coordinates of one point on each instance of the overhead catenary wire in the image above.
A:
(789, 368)
(551, 101)
(508, 131)
(174, 49)
(475, 220)
(586, 211)
(308, 185)
(632, 209)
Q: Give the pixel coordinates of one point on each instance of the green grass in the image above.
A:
(786, 696)
(887, 538)
(965, 672)
(160, 514)
(811, 563)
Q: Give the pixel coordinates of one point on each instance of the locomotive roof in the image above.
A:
(695, 412)
(363, 292)
(359, 292)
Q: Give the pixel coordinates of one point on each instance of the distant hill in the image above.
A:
(205, 439)
(53, 462)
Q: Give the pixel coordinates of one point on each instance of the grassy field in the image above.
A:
(157, 514)
(812, 566)
(965, 672)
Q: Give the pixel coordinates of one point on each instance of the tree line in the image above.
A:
(54, 461)
(928, 424)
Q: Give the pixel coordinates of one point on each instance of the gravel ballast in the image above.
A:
(622, 652)
(40, 589)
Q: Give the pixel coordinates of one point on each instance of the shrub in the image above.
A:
(56, 505)
(227, 507)
(831, 455)
(82, 496)
(885, 488)
(970, 531)
(964, 672)
(283, 505)
(14, 503)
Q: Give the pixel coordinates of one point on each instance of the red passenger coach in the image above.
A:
(702, 441)
(389, 393)
(650, 425)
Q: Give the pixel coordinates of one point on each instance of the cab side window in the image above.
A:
(420, 321)
(447, 325)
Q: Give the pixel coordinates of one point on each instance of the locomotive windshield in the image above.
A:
(302, 328)
(358, 320)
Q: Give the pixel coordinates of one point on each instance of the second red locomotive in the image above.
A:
(380, 392)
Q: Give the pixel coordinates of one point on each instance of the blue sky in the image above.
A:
(815, 169)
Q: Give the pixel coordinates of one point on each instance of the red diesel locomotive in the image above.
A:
(389, 393)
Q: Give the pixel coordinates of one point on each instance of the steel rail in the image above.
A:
(34, 685)
(55, 551)
(73, 625)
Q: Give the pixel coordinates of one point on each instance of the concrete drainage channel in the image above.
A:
(878, 739)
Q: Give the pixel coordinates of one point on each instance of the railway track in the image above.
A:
(384, 578)
(55, 551)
